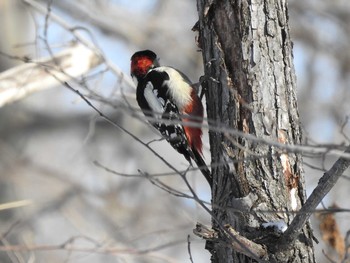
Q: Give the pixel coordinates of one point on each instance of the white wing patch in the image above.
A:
(179, 89)
(153, 101)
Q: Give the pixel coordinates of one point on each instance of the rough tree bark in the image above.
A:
(247, 50)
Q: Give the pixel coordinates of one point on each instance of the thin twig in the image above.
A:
(189, 248)
(343, 127)
(57, 19)
(15, 204)
(347, 247)
(96, 248)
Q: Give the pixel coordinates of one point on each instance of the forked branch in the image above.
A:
(325, 184)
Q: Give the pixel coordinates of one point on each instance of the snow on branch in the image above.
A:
(23, 80)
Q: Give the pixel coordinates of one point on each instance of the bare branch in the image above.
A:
(325, 184)
(93, 46)
(94, 247)
(15, 204)
(215, 126)
(21, 81)
(239, 243)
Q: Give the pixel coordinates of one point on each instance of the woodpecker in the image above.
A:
(169, 99)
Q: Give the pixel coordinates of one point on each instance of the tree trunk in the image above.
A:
(250, 88)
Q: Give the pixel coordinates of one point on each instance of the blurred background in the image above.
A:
(52, 144)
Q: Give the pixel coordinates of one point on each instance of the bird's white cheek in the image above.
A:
(134, 79)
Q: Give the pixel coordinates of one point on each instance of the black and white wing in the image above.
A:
(154, 98)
